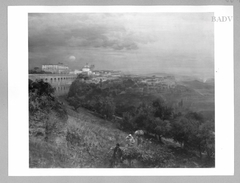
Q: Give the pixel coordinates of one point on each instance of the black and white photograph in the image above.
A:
(121, 91)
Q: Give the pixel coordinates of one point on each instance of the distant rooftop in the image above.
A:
(55, 64)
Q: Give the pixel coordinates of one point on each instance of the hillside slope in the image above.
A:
(87, 141)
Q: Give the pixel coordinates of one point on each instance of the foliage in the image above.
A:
(193, 133)
(105, 107)
(127, 122)
(73, 137)
(143, 117)
(45, 155)
(162, 110)
(154, 116)
(76, 103)
(40, 95)
(163, 128)
(92, 97)
(83, 76)
(46, 113)
(155, 156)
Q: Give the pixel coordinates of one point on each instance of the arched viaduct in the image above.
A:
(60, 82)
(53, 78)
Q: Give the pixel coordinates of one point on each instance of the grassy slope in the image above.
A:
(96, 137)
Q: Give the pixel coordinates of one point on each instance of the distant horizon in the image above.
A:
(155, 73)
(138, 43)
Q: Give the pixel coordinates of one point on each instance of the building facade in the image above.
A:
(87, 69)
(56, 68)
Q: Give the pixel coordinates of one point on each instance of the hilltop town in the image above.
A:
(150, 82)
(195, 93)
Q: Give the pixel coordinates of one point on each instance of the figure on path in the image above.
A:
(130, 140)
(117, 155)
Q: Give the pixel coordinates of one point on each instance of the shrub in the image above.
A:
(46, 114)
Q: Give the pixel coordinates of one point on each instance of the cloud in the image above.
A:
(83, 34)
(142, 41)
(99, 39)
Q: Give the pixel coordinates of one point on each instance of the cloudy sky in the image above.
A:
(181, 43)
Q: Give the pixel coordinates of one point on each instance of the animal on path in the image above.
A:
(139, 136)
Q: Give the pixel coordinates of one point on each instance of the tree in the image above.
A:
(82, 76)
(106, 107)
(161, 110)
(127, 122)
(44, 109)
(143, 118)
(181, 130)
(73, 101)
(195, 116)
(41, 96)
(41, 88)
(192, 132)
(162, 129)
(196, 138)
(206, 139)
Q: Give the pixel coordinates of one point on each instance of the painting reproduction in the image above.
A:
(121, 90)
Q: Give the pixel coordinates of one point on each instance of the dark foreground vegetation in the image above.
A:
(102, 115)
(47, 116)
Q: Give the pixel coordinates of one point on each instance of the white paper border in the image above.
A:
(18, 141)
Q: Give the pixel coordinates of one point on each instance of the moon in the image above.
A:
(72, 58)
